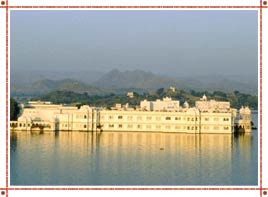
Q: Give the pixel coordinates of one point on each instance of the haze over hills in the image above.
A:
(134, 79)
(115, 81)
(24, 76)
(47, 85)
(150, 81)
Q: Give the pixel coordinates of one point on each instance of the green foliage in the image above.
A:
(14, 109)
(236, 98)
(160, 91)
(64, 97)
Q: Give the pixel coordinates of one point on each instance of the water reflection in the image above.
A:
(245, 151)
(129, 158)
(13, 140)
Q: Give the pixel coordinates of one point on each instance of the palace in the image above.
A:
(207, 116)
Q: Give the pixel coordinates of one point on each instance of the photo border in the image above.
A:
(260, 7)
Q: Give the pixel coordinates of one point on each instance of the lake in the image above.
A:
(133, 158)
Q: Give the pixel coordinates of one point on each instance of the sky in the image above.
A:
(169, 42)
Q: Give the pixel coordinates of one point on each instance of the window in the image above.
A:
(139, 126)
(192, 119)
(111, 125)
(149, 118)
(158, 118)
(139, 118)
(216, 119)
(148, 126)
(177, 127)
(120, 117)
(206, 119)
(226, 128)
(225, 119)
(85, 116)
(85, 126)
(120, 126)
(167, 127)
(177, 118)
(129, 117)
(216, 128)
(129, 126)
(168, 118)
(158, 126)
(111, 117)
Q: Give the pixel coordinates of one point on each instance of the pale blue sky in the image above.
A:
(163, 41)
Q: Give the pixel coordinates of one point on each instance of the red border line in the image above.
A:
(130, 188)
(122, 7)
(7, 100)
(261, 98)
(152, 7)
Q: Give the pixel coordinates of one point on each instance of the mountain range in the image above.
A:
(115, 81)
(47, 85)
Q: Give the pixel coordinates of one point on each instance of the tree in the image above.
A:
(160, 91)
(14, 109)
(219, 93)
(236, 92)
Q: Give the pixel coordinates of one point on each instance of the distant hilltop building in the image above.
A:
(207, 116)
(130, 94)
(173, 89)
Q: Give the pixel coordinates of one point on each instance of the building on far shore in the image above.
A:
(172, 89)
(130, 94)
(207, 116)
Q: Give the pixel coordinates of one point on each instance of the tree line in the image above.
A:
(235, 98)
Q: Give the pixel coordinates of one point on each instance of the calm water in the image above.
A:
(118, 158)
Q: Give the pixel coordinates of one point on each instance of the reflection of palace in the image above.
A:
(158, 158)
(208, 116)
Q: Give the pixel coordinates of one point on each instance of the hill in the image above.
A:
(136, 79)
(146, 80)
(30, 76)
(119, 82)
(47, 85)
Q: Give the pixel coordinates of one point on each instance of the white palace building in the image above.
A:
(208, 116)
